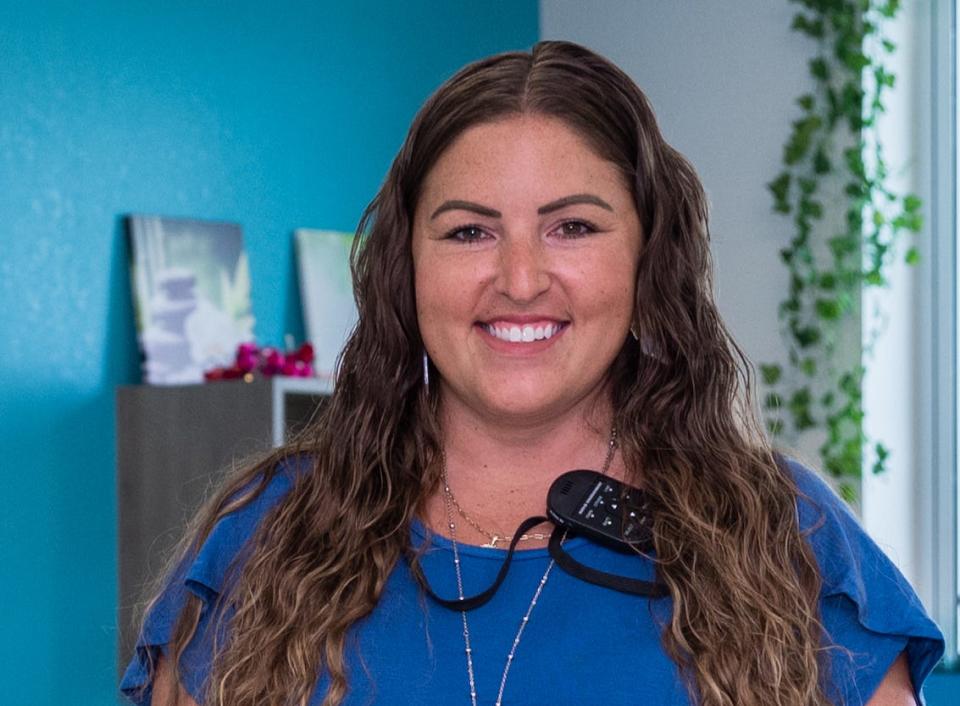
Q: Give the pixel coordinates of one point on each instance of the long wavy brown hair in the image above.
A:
(744, 582)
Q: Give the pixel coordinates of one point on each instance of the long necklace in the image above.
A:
(539, 536)
(448, 500)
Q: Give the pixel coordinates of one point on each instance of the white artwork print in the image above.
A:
(326, 292)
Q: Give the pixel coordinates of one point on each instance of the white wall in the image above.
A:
(896, 506)
(723, 78)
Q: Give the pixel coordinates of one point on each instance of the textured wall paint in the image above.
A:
(272, 115)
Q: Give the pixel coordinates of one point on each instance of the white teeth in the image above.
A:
(525, 334)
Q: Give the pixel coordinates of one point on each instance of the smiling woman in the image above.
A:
(534, 291)
(524, 301)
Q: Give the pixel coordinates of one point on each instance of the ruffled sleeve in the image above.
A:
(202, 573)
(869, 610)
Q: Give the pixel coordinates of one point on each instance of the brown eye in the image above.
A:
(466, 234)
(576, 229)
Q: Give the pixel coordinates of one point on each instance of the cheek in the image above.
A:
(607, 288)
(440, 299)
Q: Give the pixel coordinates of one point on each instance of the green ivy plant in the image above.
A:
(834, 155)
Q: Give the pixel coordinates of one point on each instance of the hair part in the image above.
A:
(728, 547)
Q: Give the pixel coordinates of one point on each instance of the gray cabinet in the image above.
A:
(173, 446)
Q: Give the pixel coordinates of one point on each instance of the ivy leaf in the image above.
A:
(842, 245)
(874, 278)
(807, 336)
(799, 143)
(819, 69)
(789, 306)
(827, 309)
(770, 373)
(889, 46)
(812, 28)
(811, 209)
(854, 223)
(912, 203)
(808, 366)
(916, 223)
(854, 190)
(780, 188)
(856, 61)
(882, 453)
(912, 257)
(821, 162)
(884, 77)
(853, 157)
(806, 101)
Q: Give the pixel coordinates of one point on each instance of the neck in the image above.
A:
(500, 473)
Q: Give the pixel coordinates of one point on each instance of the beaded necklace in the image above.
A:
(449, 501)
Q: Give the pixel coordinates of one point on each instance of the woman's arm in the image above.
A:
(896, 689)
(164, 693)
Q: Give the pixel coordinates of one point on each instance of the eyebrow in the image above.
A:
(458, 205)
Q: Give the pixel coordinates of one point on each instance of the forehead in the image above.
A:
(523, 156)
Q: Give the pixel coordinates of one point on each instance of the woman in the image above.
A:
(534, 289)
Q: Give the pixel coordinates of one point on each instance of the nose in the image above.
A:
(523, 273)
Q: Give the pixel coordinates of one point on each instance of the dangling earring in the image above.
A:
(426, 372)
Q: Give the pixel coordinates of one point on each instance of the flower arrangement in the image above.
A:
(250, 359)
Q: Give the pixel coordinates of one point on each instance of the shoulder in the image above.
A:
(204, 572)
(870, 612)
(230, 537)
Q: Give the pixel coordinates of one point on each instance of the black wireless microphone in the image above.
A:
(601, 508)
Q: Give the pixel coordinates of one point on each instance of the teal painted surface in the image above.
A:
(943, 689)
(274, 115)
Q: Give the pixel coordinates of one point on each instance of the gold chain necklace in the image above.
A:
(538, 536)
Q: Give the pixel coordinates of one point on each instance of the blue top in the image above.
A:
(583, 643)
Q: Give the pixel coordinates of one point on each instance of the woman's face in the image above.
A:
(525, 250)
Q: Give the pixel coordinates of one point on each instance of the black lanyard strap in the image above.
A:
(623, 584)
(481, 598)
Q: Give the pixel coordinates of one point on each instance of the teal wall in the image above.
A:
(274, 115)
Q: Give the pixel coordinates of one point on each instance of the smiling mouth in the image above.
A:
(526, 333)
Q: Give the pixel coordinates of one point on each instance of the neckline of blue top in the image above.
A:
(442, 542)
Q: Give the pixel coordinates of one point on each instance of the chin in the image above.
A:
(520, 405)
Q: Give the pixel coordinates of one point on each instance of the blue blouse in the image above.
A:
(583, 643)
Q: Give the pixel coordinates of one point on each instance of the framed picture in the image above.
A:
(326, 292)
(191, 291)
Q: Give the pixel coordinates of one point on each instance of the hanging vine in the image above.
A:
(834, 154)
